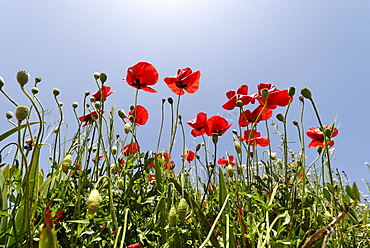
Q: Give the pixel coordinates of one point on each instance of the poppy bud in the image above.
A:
(239, 103)
(34, 90)
(56, 129)
(295, 123)
(22, 77)
(170, 100)
(66, 163)
(215, 138)
(21, 113)
(182, 209)
(87, 105)
(96, 75)
(97, 105)
(265, 93)
(127, 128)
(319, 149)
(56, 92)
(197, 148)
(38, 79)
(92, 99)
(230, 170)
(121, 113)
(172, 217)
(234, 131)
(327, 132)
(87, 93)
(237, 147)
(280, 117)
(197, 156)
(114, 150)
(306, 93)
(272, 155)
(2, 82)
(103, 77)
(239, 170)
(60, 104)
(291, 91)
(74, 105)
(9, 114)
(120, 184)
(163, 100)
(93, 201)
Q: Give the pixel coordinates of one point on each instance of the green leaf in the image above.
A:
(13, 130)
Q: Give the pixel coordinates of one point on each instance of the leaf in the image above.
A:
(13, 130)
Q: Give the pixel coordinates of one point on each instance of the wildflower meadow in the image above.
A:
(97, 186)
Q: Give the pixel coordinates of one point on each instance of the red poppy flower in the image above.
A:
(141, 75)
(190, 155)
(130, 149)
(141, 113)
(136, 245)
(152, 179)
(247, 116)
(241, 94)
(216, 124)
(318, 138)
(90, 117)
(225, 162)
(275, 98)
(198, 124)
(106, 92)
(60, 214)
(185, 79)
(166, 160)
(253, 138)
(100, 157)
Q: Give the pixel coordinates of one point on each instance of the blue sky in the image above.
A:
(323, 45)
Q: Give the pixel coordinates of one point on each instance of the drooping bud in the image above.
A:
(172, 217)
(265, 93)
(74, 105)
(182, 209)
(127, 128)
(93, 201)
(291, 91)
(121, 113)
(37, 79)
(306, 93)
(92, 99)
(237, 147)
(34, 90)
(87, 93)
(295, 123)
(56, 92)
(21, 113)
(170, 100)
(66, 163)
(2, 82)
(103, 77)
(280, 117)
(230, 170)
(9, 114)
(96, 75)
(319, 149)
(22, 77)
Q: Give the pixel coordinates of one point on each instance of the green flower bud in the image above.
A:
(327, 132)
(197, 148)
(56, 92)
(230, 170)
(127, 128)
(182, 209)
(280, 117)
(295, 123)
(87, 93)
(9, 114)
(103, 77)
(38, 79)
(114, 150)
(170, 100)
(306, 93)
(120, 184)
(197, 156)
(121, 113)
(234, 131)
(97, 105)
(74, 105)
(21, 113)
(265, 93)
(92, 99)
(2, 82)
(60, 104)
(237, 147)
(96, 75)
(272, 155)
(163, 100)
(239, 103)
(172, 217)
(34, 90)
(93, 201)
(66, 163)
(291, 91)
(22, 77)
(319, 149)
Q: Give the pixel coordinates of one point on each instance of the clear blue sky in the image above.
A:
(323, 45)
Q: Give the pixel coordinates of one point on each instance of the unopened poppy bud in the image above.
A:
(34, 90)
(280, 117)
(272, 155)
(197, 148)
(38, 79)
(234, 131)
(237, 147)
(127, 128)
(120, 184)
(60, 104)
(114, 150)
(97, 105)
(103, 77)
(66, 163)
(215, 138)
(87, 105)
(56, 92)
(87, 93)
(319, 149)
(306, 93)
(182, 209)
(22, 77)
(327, 132)
(172, 217)
(239, 103)
(93, 201)
(92, 99)
(163, 100)
(197, 156)
(21, 113)
(230, 170)
(170, 100)
(295, 123)
(132, 107)
(9, 114)
(121, 113)
(2, 82)
(96, 75)
(265, 93)
(74, 105)
(291, 91)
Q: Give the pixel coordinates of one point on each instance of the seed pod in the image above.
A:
(56, 92)
(22, 77)
(21, 113)
(93, 201)
(182, 209)
(265, 93)
(121, 113)
(103, 77)
(66, 163)
(306, 93)
(172, 217)
(291, 91)
(38, 79)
